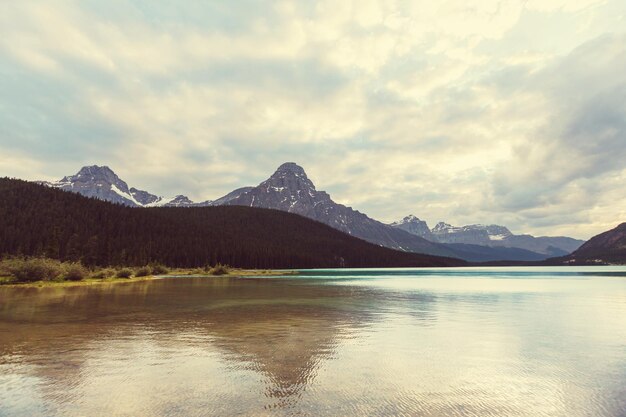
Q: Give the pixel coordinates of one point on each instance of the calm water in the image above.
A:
(430, 342)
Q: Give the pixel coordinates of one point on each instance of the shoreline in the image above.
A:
(233, 273)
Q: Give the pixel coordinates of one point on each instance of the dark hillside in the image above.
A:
(38, 220)
(606, 248)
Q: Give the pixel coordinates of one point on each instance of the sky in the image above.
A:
(506, 112)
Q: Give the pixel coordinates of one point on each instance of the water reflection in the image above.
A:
(280, 332)
(346, 344)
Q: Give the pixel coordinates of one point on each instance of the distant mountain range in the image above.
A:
(290, 190)
(489, 235)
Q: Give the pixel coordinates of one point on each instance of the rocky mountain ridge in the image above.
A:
(102, 183)
(289, 189)
(491, 235)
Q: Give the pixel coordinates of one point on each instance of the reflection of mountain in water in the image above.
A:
(286, 343)
(284, 331)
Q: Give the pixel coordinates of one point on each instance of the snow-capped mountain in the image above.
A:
(177, 201)
(414, 226)
(289, 189)
(473, 234)
(102, 183)
(491, 235)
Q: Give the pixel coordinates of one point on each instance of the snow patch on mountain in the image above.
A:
(102, 183)
(123, 194)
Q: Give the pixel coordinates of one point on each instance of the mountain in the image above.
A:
(102, 183)
(606, 248)
(230, 196)
(39, 220)
(547, 245)
(491, 235)
(446, 233)
(289, 189)
(414, 226)
(471, 243)
(142, 198)
(478, 253)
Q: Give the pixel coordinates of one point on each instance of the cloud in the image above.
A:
(563, 164)
(505, 112)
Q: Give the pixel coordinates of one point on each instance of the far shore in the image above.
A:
(6, 281)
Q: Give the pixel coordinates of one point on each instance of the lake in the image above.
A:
(384, 342)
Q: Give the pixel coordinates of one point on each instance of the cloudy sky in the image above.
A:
(510, 112)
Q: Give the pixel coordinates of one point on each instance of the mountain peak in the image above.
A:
(290, 179)
(411, 218)
(95, 169)
(408, 219)
(178, 201)
(291, 168)
(95, 172)
(289, 189)
(442, 226)
(415, 226)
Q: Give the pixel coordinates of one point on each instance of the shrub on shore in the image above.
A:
(74, 272)
(158, 269)
(144, 271)
(4, 269)
(219, 269)
(32, 269)
(45, 269)
(124, 273)
(103, 273)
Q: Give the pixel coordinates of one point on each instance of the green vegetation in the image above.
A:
(219, 269)
(45, 271)
(30, 270)
(103, 273)
(17, 270)
(124, 273)
(75, 272)
(158, 269)
(144, 271)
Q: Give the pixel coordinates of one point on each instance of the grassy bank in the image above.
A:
(6, 281)
(233, 272)
(41, 272)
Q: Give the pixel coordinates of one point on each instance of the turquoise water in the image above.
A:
(388, 342)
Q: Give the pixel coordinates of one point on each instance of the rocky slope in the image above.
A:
(606, 248)
(415, 226)
(230, 196)
(289, 189)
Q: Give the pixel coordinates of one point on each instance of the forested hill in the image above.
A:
(606, 248)
(38, 220)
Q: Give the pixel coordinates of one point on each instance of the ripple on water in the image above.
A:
(409, 343)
